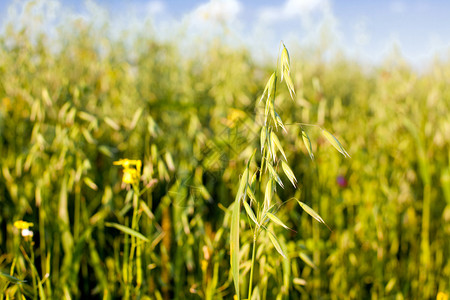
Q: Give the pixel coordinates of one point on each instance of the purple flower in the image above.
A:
(341, 181)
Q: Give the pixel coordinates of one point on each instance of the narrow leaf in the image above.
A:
(334, 141)
(299, 281)
(266, 111)
(279, 121)
(275, 243)
(307, 260)
(269, 87)
(244, 181)
(272, 112)
(11, 278)
(250, 160)
(312, 213)
(285, 62)
(276, 220)
(275, 175)
(127, 230)
(289, 174)
(277, 143)
(251, 195)
(263, 137)
(268, 194)
(250, 213)
(235, 219)
(136, 117)
(272, 149)
(234, 244)
(290, 85)
(307, 143)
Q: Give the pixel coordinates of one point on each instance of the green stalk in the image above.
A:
(253, 266)
(126, 263)
(135, 226)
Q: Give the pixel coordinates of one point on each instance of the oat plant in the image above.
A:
(258, 186)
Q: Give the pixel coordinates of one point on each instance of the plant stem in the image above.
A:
(253, 265)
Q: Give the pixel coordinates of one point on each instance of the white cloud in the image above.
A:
(222, 11)
(292, 9)
(155, 7)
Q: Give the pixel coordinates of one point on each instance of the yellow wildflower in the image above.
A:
(23, 226)
(131, 170)
(129, 176)
(442, 296)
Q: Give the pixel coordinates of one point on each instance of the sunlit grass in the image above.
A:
(158, 226)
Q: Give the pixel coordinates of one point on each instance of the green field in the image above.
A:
(162, 231)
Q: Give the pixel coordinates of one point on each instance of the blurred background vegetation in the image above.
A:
(68, 112)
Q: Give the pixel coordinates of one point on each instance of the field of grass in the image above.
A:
(106, 228)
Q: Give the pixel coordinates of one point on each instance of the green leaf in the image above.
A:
(136, 118)
(269, 87)
(250, 213)
(244, 181)
(279, 121)
(277, 143)
(268, 194)
(272, 112)
(12, 278)
(285, 62)
(251, 195)
(307, 143)
(290, 85)
(276, 220)
(127, 230)
(266, 111)
(250, 160)
(289, 174)
(275, 175)
(312, 213)
(234, 244)
(272, 149)
(263, 137)
(307, 260)
(235, 219)
(336, 144)
(275, 243)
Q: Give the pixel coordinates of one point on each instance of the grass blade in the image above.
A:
(275, 175)
(269, 87)
(307, 143)
(127, 230)
(290, 85)
(275, 243)
(335, 142)
(312, 213)
(235, 219)
(276, 220)
(288, 172)
(12, 278)
(268, 194)
(250, 213)
(234, 244)
(263, 137)
(307, 260)
(277, 143)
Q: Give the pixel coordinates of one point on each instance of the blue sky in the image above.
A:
(364, 30)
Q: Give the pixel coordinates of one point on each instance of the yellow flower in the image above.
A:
(131, 170)
(127, 163)
(442, 296)
(129, 176)
(22, 224)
